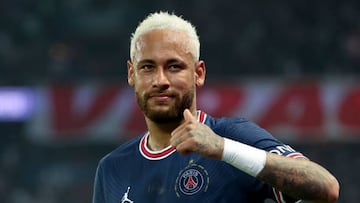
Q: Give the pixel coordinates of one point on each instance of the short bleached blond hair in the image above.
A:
(166, 21)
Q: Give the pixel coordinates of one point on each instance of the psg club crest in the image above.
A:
(191, 180)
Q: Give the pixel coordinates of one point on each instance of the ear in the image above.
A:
(130, 73)
(200, 72)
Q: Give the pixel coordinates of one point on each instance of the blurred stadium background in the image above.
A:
(291, 66)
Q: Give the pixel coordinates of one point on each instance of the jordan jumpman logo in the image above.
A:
(125, 198)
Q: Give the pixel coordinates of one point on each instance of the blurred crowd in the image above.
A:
(72, 41)
(47, 40)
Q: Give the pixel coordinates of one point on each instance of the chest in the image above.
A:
(177, 179)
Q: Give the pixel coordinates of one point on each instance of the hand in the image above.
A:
(192, 136)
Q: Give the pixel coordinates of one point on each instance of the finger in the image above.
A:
(180, 131)
(174, 140)
(188, 116)
(176, 131)
(184, 148)
(177, 136)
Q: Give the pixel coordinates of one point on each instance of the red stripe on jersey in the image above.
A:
(153, 155)
(201, 116)
(157, 155)
(278, 196)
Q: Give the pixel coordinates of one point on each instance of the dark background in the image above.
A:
(45, 42)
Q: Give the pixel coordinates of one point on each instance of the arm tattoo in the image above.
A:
(299, 178)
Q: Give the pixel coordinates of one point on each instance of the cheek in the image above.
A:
(184, 83)
(140, 87)
(142, 81)
(187, 79)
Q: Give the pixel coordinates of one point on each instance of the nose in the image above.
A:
(161, 79)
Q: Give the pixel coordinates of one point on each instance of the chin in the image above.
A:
(164, 116)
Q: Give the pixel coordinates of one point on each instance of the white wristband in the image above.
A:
(244, 157)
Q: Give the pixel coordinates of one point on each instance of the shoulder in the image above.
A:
(248, 132)
(122, 152)
(232, 127)
(242, 130)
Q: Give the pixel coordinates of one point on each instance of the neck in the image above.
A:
(160, 134)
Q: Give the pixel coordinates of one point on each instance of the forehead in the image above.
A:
(162, 43)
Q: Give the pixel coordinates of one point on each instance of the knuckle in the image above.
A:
(188, 128)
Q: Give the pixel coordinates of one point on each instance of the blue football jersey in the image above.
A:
(133, 173)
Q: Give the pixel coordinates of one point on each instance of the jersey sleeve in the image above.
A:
(247, 132)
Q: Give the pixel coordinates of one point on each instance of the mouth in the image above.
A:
(161, 97)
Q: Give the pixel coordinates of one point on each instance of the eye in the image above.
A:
(147, 67)
(174, 67)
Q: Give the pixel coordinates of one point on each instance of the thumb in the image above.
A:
(188, 115)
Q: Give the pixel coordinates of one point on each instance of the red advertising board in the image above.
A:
(315, 110)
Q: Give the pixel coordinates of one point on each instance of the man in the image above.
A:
(187, 155)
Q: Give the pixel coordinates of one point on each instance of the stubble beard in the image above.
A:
(173, 114)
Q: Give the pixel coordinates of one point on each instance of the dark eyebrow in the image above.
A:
(147, 61)
(173, 60)
(169, 61)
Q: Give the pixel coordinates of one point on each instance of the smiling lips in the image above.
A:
(161, 97)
